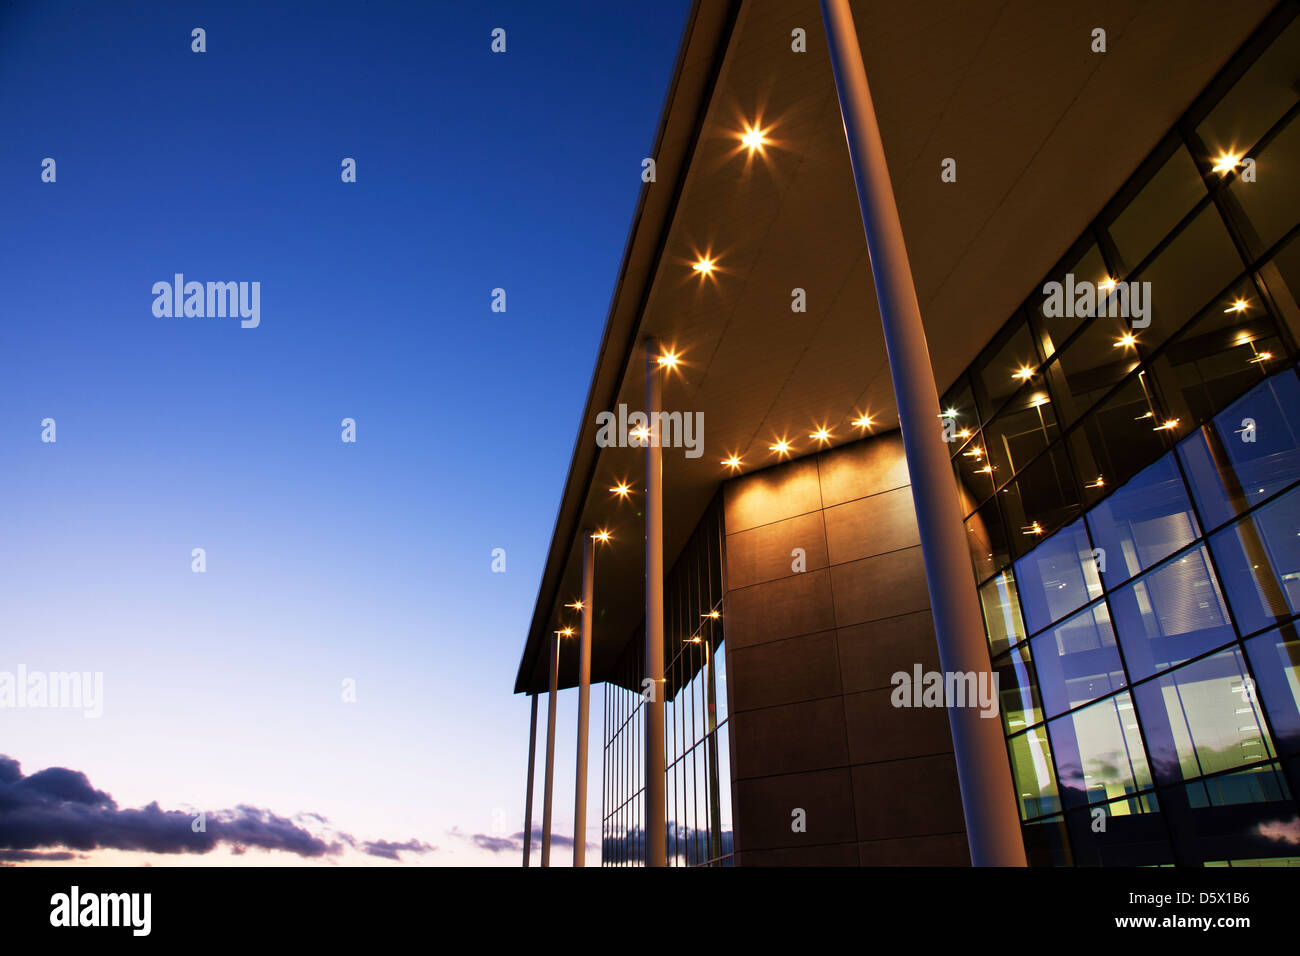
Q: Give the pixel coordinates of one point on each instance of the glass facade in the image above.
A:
(696, 740)
(1132, 489)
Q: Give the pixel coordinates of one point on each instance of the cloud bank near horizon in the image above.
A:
(46, 815)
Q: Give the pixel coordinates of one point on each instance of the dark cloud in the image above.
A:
(57, 807)
(515, 843)
(389, 850)
(23, 856)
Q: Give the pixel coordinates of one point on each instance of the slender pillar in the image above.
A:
(656, 795)
(984, 772)
(584, 702)
(550, 751)
(528, 799)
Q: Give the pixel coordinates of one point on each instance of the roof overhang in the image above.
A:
(1044, 132)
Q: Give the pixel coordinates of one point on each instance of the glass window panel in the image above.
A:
(1257, 831)
(1117, 440)
(996, 370)
(1281, 277)
(1170, 614)
(1020, 432)
(1035, 779)
(1039, 501)
(959, 405)
(1227, 349)
(987, 540)
(1259, 561)
(720, 677)
(1197, 719)
(1018, 690)
(1046, 842)
(1142, 523)
(1186, 275)
(1057, 577)
(1002, 612)
(1256, 101)
(1078, 660)
(1052, 331)
(1275, 659)
(1134, 833)
(1256, 785)
(1099, 754)
(975, 474)
(1232, 466)
(1272, 202)
(1090, 366)
(1161, 204)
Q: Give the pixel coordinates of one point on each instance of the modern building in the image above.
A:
(1120, 466)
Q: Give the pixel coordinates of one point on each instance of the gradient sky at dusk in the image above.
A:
(325, 561)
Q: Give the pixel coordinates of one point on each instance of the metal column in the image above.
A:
(584, 702)
(528, 799)
(547, 797)
(656, 796)
(984, 772)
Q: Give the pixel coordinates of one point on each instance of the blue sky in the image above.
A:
(325, 560)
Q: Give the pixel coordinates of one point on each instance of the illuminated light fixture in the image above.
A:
(1025, 373)
(1145, 415)
(566, 632)
(622, 489)
(1227, 162)
(1127, 340)
(822, 435)
(950, 413)
(602, 536)
(713, 614)
(670, 359)
(1169, 425)
(576, 605)
(1099, 483)
(733, 462)
(986, 470)
(1106, 284)
(1241, 305)
(1034, 528)
(695, 639)
(864, 421)
(1262, 357)
(781, 447)
(641, 434)
(704, 266)
(974, 453)
(754, 139)
(964, 433)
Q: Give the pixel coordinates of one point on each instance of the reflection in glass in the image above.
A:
(1001, 607)
(1031, 767)
(1057, 577)
(1171, 614)
(1078, 660)
(987, 540)
(1052, 331)
(1001, 368)
(1250, 453)
(1022, 430)
(1200, 719)
(1018, 690)
(1259, 563)
(1275, 658)
(1099, 754)
(1039, 501)
(1119, 439)
(1142, 523)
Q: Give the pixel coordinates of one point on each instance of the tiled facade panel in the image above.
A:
(826, 599)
